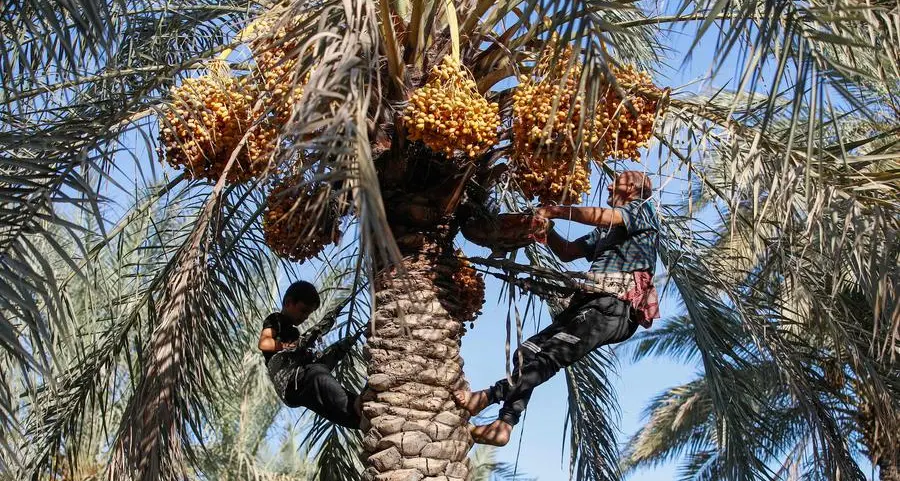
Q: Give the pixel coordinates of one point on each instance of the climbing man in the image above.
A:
(300, 375)
(622, 250)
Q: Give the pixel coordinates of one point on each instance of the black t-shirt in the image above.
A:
(282, 331)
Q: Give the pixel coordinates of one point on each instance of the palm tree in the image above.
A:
(84, 78)
(682, 421)
(239, 417)
(824, 329)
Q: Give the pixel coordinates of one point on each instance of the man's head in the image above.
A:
(628, 186)
(299, 301)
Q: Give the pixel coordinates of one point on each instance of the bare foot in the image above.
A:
(473, 402)
(496, 434)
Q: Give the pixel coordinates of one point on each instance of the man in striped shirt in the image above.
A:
(619, 296)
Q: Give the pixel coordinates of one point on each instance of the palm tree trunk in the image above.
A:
(416, 433)
(879, 446)
(888, 460)
(889, 470)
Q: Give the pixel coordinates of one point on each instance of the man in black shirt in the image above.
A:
(301, 377)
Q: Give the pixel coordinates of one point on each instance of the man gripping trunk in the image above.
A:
(302, 377)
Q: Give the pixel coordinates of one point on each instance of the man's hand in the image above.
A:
(268, 343)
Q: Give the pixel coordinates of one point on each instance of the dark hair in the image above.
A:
(302, 291)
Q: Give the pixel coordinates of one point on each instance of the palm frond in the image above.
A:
(333, 124)
(673, 338)
(485, 467)
(194, 327)
(680, 420)
(826, 253)
(701, 466)
(63, 408)
(73, 85)
(86, 389)
(827, 45)
(592, 418)
(723, 358)
(765, 297)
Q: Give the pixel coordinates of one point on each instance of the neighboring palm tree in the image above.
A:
(784, 326)
(682, 421)
(239, 418)
(83, 78)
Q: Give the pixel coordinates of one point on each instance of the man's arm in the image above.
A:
(566, 250)
(268, 343)
(335, 352)
(592, 216)
(312, 335)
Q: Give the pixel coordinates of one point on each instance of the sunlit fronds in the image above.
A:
(673, 337)
(787, 329)
(723, 358)
(73, 84)
(678, 421)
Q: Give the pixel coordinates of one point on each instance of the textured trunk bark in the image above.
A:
(880, 447)
(888, 470)
(417, 433)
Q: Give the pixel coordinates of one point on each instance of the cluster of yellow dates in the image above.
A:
(207, 117)
(546, 136)
(623, 132)
(205, 123)
(213, 118)
(554, 136)
(470, 288)
(300, 219)
(448, 114)
(462, 285)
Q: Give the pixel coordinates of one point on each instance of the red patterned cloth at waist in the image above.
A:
(636, 288)
(643, 298)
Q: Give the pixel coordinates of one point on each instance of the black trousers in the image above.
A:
(314, 387)
(588, 323)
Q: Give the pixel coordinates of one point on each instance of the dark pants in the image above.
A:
(314, 387)
(320, 392)
(585, 325)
